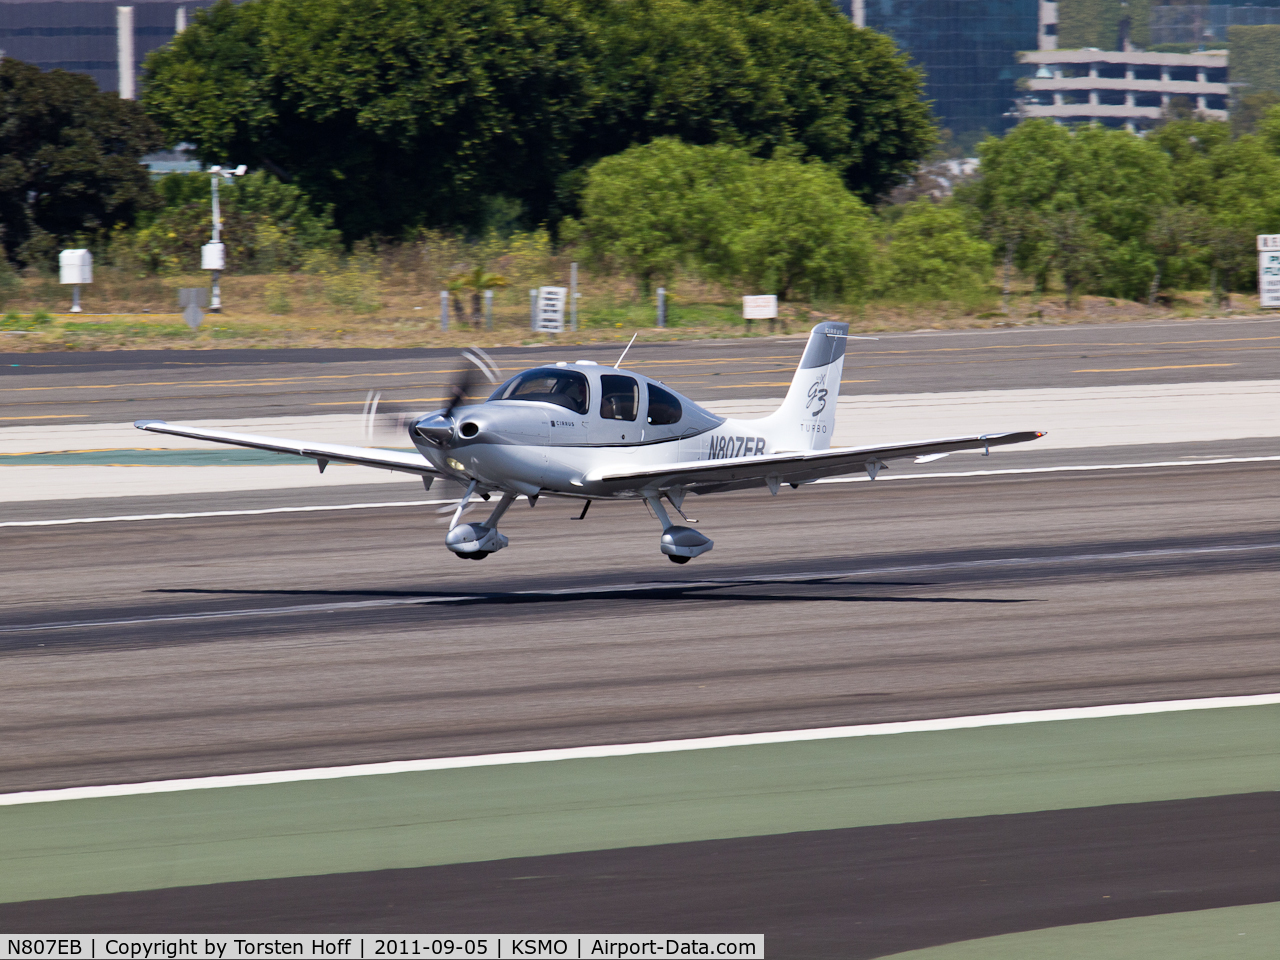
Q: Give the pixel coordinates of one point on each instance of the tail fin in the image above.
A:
(807, 418)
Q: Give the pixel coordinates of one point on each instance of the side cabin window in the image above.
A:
(619, 397)
(567, 388)
(663, 406)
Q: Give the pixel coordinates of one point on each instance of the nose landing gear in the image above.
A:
(475, 541)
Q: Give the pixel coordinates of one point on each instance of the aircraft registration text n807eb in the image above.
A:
(590, 432)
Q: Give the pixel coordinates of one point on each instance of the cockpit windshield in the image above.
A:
(568, 388)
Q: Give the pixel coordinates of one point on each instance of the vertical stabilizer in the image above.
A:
(807, 418)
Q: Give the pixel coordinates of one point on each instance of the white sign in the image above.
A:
(1268, 241)
(760, 308)
(213, 256)
(1269, 278)
(551, 302)
(75, 266)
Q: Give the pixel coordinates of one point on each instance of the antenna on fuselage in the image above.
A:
(628, 347)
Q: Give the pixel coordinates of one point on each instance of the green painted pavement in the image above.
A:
(75, 847)
(1228, 933)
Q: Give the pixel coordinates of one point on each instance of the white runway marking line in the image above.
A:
(637, 749)
(427, 503)
(341, 606)
(224, 513)
(1084, 468)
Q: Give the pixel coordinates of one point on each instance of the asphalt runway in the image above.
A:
(196, 384)
(837, 894)
(176, 648)
(188, 647)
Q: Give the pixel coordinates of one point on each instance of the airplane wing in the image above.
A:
(323, 453)
(706, 476)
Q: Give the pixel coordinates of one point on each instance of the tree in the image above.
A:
(1236, 182)
(69, 160)
(9, 282)
(653, 209)
(1190, 145)
(1110, 181)
(1231, 252)
(1076, 249)
(1176, 237)
(778, 226)
(420, 112)
(1269, 128)
(933, 253)
(477, 280)
(760, 75)
(1006, 228)
(396, 112)
(267, 225)
(792, 229)
(1251, 110)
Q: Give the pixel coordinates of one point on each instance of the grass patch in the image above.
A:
(392, 299)
(132, 329)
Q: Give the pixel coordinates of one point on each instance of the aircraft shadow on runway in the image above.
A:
(833, 592)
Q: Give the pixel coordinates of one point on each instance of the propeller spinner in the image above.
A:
(439, 428)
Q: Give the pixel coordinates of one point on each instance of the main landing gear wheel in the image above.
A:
(674, 559)
(478, 555)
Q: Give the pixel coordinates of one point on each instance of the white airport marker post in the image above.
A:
(760, 308)
(75, 267)
(662, 306)
(444, 309)
(1269, 270)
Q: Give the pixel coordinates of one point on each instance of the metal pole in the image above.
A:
(215, 294)
(75, 298)
(662, 306)
(573, 297)
(533, 309)
(217, 212)
(444, 309)
(488, 309)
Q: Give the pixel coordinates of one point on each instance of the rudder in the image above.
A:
(807, 418)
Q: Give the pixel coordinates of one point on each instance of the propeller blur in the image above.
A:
(588, 432)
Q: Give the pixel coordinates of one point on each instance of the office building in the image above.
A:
(1123, 88)
(101, 38)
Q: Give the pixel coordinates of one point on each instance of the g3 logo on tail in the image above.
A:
(818, 395)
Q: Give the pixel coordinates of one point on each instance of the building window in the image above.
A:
(1050, 29)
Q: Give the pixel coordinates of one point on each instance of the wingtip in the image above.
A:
(144, 424)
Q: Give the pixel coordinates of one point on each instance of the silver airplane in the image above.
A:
(592, 432)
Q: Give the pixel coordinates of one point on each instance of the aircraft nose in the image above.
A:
(435, 429)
